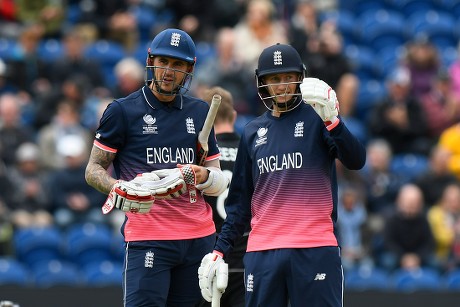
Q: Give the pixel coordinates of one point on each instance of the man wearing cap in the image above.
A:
(152, 134)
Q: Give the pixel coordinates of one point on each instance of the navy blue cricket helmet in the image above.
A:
(173, 43)
(279, 58)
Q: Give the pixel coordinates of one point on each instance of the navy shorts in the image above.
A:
(310, 277)
(164, 273)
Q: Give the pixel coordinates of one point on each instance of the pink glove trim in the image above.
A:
(332, 125)
(218, 253)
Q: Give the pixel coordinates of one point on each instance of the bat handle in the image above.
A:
(216, 294)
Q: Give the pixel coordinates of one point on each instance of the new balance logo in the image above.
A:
(320, 276)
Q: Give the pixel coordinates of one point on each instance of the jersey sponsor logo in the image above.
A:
(150, 127)
(320, 276)
(261, 136)
(148, 260)
(250, 283)
(190, 125)
(298, 130)
(278, 163)
(175, 39)
(228, 153)
(170, 155)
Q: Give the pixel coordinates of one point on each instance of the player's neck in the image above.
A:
(223, 128)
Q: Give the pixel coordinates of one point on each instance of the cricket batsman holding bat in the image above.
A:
(284, 185)
(151, 139)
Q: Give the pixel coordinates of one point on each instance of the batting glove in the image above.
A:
(212, 275)
(322, 98)
(176, 180)
(128, 197)
(165, 187)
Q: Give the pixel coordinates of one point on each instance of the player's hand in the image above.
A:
(321, 97)
(212, 273)
(169, 185)
(179, 179)
(128, 197)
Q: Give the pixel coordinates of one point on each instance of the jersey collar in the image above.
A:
(154, 103)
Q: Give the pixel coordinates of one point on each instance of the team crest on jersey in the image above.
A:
(175, 39)
(149, 127)
(277, 58)
(261, 136)
(298, 130)
(190, 125)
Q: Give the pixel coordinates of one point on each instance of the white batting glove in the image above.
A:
(128, 197)
(165, 187)
(321, 97)
(179, 179)
(212, 274)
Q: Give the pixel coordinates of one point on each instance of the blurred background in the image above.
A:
(395, 65)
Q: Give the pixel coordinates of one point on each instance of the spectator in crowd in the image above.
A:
(325, 59)
(449, 140)
(73, 62)
(6, 86)
(111, 20)
(47, 16)
(351, 222)
(437, 177)
(12, 132)
(408, 239)
(31, 201)
(454, 72)
(381, 184)
(129, 75)
(399, 117)
(442, 218)
(73, 200)
(74, 90)
(257, 29)
(65, 122)
(422, 61)
(441, 106)
(304, 25)
(26, 69)
(226, 69)
(6, 226)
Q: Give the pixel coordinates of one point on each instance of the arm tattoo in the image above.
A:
(96, 171)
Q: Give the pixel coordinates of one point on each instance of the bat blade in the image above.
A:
(203, 136)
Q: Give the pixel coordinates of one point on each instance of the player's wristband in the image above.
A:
(216, 184)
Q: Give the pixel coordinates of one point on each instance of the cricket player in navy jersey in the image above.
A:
(150, 137)
(228, 140)
(284, 185)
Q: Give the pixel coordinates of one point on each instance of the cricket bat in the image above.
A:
(203, 136)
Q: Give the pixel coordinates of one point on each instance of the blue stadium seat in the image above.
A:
(13, 272)
(370, 92)
(107, 53)
(409, 166)
(34, 245)
(382, 28)
(366, 278)
(89, 242)
(449, 55)
(49, 50)
(363, 61)
(102, 274)
(56, 273)
(390, 57)
(407, 7)
(415, 280)
(345, 22)
(452, 280)
(438, 27)
(7, 48)
(204, 51)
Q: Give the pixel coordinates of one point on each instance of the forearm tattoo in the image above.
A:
(96, 171)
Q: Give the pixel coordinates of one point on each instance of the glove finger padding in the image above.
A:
(321, 97)
(128, 197)
(168, 185)
(208, 272)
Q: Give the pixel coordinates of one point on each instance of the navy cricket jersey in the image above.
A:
(285, 176)
(148, 135)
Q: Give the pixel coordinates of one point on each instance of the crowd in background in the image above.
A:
(391, 214)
